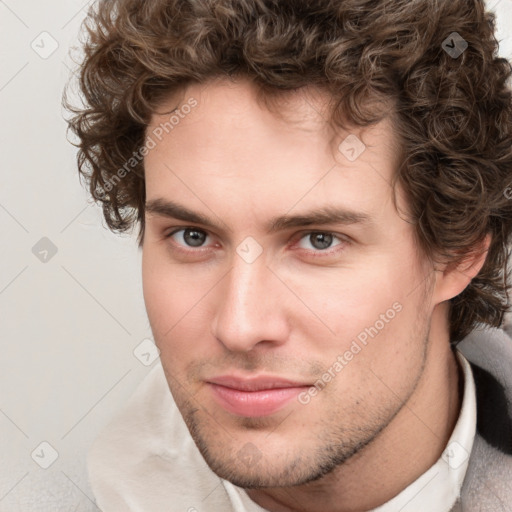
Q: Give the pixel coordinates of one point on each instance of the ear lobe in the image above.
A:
(452, 279)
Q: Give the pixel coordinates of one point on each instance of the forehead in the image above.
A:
(241, 109)
(303, 108)
(223, 142)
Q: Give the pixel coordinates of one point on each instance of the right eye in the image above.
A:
(188, 237)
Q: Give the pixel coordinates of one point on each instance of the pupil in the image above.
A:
(320, 240)
(193, 237)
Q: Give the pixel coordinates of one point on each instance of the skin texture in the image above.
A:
(386, 417)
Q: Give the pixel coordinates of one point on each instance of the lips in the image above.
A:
(254, 397)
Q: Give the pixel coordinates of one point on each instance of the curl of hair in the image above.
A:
(453, 116)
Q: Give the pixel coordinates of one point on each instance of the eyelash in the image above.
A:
(313, 253)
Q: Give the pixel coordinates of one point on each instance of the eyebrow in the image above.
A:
(322, 216)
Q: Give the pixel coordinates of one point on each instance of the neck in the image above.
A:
(408, 447)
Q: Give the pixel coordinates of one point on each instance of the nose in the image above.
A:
(250, 307)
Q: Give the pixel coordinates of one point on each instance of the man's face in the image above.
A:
(240, 303)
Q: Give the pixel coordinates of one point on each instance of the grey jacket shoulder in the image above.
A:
(488, 483)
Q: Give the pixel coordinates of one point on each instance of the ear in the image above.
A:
(452, 279)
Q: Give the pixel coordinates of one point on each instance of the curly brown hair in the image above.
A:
(435, 61)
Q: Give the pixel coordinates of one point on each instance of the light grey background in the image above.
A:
(69, 321)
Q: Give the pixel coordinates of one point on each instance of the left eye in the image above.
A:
(318, 240)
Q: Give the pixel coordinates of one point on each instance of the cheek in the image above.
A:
(175, 301)
(163, 296)
(366, 312)
(350, 299)
(154, 287)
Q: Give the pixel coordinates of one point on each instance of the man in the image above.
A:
(321, 190)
